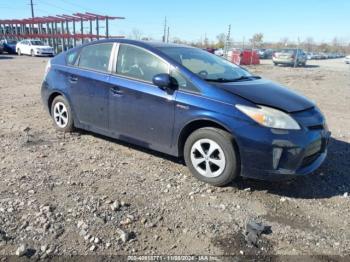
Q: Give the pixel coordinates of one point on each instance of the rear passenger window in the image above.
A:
(96, 57)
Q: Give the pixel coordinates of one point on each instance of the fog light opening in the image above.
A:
(277, 153)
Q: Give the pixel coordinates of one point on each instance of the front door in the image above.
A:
(140, 112)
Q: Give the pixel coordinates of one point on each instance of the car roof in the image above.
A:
(141, 43)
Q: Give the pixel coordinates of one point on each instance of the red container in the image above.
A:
(250, 57)
(236, 57)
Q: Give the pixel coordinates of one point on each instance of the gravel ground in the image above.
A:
(82, 193)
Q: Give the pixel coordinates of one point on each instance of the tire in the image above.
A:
(275, 64)
(32, 53)
(61, 114)
(19, 53)
(223, 143)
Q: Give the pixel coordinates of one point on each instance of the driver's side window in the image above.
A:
(135, 62)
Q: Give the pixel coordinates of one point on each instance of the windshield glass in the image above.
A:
(208, 66)
(288, 51)
(36, 42)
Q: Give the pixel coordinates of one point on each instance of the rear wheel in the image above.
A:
(19, 52)
(211, 157)
(61, 114)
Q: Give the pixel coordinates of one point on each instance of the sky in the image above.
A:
(192, 20)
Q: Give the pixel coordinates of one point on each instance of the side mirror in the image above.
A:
(163, 81)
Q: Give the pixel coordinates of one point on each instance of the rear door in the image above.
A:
(140, 112)
(89, 85)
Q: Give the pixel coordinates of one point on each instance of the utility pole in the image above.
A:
(228, 37)
(167, 37)
(32, 7)
(165, 28)
(31, 27)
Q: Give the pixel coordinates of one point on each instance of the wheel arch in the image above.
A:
(52, 96)
(194, 125)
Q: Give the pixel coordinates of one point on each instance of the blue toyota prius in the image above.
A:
(185, 102)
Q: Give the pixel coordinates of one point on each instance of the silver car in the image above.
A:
(290, 56)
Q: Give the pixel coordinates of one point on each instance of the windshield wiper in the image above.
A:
(227, 80)
(242, 78)
(219, 80)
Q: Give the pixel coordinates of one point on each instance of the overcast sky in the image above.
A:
(192, 20)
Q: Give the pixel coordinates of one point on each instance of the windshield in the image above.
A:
(288, 51)
(36, 42)
(208, 66)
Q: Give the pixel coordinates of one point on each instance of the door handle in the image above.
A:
(116, 91)
(73, 79)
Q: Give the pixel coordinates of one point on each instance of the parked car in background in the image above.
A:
(265, 53)
(183, 101)
(347, 59)
(9, 46)
(34, 48)
(289, 56)
(219, 52)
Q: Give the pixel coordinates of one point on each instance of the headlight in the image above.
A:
(269, 117)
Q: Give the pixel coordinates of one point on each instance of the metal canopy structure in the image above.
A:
(61, 31)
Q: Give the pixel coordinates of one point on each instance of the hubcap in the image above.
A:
(208, 158)
(60, 115)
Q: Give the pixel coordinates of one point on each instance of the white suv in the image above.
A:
(34, 48)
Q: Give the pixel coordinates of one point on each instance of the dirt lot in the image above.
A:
(86, 194)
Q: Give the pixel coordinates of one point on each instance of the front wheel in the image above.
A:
(19, 52)
(211, 156)
(61, 114)
(32, 53)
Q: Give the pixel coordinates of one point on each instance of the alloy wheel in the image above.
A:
(60, 115)
(208, 158)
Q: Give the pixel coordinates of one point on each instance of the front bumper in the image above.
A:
(44, 53)
(270, 154)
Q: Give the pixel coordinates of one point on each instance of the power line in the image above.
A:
(58, 7)
(76, 5)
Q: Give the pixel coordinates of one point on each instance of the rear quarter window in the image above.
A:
(72, 57)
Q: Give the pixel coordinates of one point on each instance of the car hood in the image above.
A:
(268, 93)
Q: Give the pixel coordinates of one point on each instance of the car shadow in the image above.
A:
(331, 179)
(305, 66)
(311, 66)
(4, 57)
(144, 147)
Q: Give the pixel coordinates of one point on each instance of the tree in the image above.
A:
(309, 44)
(221, 38)
(257, 40)
(136, 34)
(335, 44)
